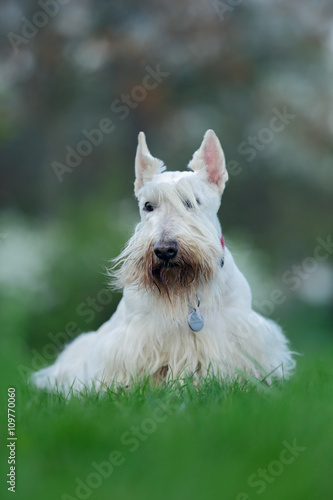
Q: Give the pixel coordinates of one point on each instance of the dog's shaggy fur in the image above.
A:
(175, 256)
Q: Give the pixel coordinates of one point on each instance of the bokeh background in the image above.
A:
(230, 66)
(67, 68)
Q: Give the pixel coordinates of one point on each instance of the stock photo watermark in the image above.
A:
(296, 274)
(131, 440)
(121, 107)
(11, 440)
(87, 310)
(265, 136)
(262, 478)
(31, 27)
(257, 143)
(293, 278)
(223, 7)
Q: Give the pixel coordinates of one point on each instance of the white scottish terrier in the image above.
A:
(186, 307)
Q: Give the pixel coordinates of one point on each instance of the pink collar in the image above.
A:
(222, 241)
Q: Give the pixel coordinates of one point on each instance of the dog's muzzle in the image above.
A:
(166, 250)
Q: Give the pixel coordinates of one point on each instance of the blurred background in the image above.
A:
(79, 80)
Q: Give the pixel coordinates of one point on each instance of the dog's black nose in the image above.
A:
(166, 250)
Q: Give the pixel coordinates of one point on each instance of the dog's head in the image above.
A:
(177, 245)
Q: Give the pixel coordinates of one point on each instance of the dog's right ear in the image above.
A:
(209, 161)
(146, 166)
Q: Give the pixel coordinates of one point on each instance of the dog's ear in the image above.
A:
(146, 166)
(209, 159)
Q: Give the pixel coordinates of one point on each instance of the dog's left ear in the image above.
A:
(146, 166)
(209, 159)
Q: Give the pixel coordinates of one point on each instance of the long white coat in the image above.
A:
(149, 333)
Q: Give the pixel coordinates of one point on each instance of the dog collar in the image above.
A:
(223, 245)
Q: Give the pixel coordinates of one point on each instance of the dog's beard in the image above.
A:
(177, 281)
(172, 275)
(180, 277)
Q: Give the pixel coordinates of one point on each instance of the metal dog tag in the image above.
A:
(195, 321)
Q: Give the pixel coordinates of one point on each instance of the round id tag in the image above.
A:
(195, 321)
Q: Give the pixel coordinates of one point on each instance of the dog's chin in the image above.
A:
(175, 278)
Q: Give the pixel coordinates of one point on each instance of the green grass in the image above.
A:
(202, 444)
(174, 442)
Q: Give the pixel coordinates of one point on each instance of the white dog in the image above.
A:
(186, 308)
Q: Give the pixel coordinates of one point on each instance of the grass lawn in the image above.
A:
(218, 441)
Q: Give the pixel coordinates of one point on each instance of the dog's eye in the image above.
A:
(148, 207)
(188, 204)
